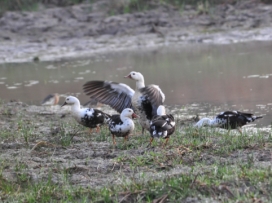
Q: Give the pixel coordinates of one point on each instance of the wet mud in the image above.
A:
(88, 29)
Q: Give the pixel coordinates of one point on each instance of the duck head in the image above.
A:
(128, 113)
(70, 100)
(138, 77)
(135, 76)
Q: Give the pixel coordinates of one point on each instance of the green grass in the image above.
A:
(115, 7)
(223, 183)
(202, 6)
(32, 5)
(205, 165)
(26, 5)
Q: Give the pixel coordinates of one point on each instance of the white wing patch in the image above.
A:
(121, 87)
(89, 112)
(161, 93)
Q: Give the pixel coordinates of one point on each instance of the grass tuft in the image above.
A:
(62, 162)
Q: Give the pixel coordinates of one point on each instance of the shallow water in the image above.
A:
(220, 77)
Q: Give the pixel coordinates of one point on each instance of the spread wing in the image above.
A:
(116, 95)
(154, 95)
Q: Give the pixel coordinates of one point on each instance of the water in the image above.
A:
(232, 77)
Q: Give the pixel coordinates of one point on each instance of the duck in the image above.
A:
(51, 100)
(228, 120)
(122, 125)
(144, 100)
(88, 117)
(162, 125)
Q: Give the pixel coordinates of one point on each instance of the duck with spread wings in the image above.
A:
(144, 100)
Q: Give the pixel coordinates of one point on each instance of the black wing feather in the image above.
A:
(153, 99)
(103, 92)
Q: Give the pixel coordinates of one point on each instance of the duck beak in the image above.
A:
(128, 76)
(134, 115)
(63, 104)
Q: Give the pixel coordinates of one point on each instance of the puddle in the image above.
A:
(213, 78)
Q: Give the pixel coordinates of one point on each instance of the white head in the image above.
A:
(138, 77)
(128, 113)
(135, 76)
(161, 110)
(70, 100)
(204, 122)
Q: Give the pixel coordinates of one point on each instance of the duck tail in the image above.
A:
(257, 117)
(253, 118)
(108, 118)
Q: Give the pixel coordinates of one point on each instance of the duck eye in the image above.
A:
(133, 73)
(68, 99)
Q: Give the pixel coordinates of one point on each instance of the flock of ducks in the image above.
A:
(144, 103)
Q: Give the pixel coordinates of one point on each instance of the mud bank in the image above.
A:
(88, 29)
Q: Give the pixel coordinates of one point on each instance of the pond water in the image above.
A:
(233, 77)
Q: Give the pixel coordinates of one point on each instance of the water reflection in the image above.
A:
(234, 76)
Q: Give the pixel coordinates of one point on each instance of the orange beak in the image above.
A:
(134, 115)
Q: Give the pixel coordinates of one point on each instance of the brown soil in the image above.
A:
(86, 29)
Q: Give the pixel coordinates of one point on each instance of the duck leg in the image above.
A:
(113, 139)
(125, 139)
(143, 130)
(97, 129)
(151, 140)
(166, 141)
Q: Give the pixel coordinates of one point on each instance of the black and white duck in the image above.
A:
(162, 125)
(144, 100)
(122, 125)
(88, 117)
(228, 120)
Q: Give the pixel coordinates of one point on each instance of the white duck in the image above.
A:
(144, 100)
(122, 125)
(88, 117)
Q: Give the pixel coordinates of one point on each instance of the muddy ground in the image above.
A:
(41, 143)
(38, 142)
(89, 29)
